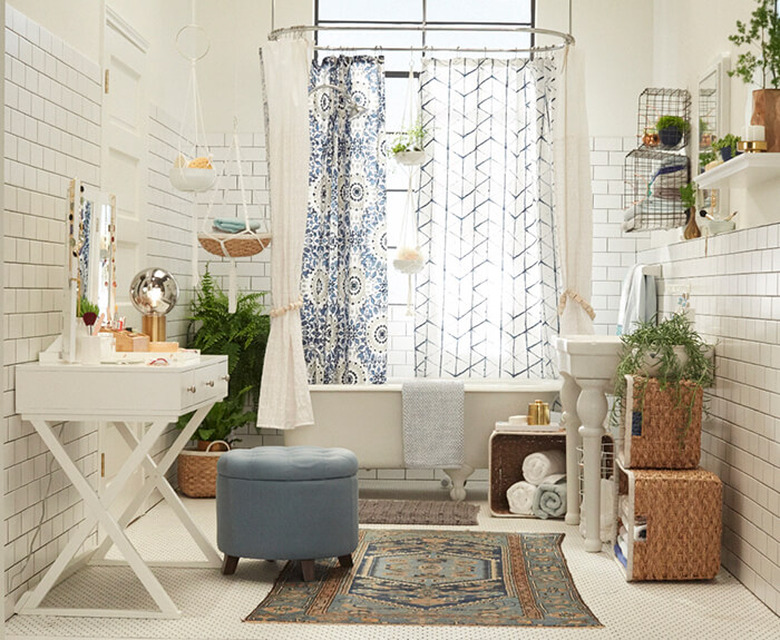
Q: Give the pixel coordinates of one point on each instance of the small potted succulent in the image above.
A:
(727, 146)
(671, 130)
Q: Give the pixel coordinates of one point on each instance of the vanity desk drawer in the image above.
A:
(101, 392)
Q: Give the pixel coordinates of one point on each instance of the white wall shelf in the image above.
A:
(746, 170)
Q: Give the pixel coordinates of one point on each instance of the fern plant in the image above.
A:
(655, 343)
(241, 336)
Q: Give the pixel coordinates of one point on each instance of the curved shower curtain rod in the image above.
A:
(566, 38)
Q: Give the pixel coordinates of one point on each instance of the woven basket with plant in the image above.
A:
(660, 378)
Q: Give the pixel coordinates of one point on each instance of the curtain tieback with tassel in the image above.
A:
(569, 294)
(280, 311)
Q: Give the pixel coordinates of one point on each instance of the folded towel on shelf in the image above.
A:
(653, 213)
(234, 225)
(537, 466)
(550, 497)
(520, 497)
(433, 433)
(608, 519)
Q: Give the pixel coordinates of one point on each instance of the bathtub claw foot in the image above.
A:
(459, 477)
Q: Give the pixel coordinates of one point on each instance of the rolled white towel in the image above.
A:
(537, 466)
(520, 497)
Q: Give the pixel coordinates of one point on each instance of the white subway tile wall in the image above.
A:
(52, 133)
(733, 282)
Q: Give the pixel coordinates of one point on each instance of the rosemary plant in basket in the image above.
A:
(671, 351)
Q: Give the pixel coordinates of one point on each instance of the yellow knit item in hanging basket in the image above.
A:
(193, 175)
(234, 245)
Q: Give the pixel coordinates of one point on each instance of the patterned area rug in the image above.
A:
(427, 512)
(435, 578)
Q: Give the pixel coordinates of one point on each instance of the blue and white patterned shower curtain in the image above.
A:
(486, 302)
(344, 277)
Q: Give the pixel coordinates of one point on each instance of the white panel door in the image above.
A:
(125, 143)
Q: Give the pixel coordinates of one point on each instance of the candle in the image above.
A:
(755, 133)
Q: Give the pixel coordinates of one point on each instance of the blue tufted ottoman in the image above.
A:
(293, 503)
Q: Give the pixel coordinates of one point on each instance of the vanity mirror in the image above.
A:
(91, 259)
(713, 98)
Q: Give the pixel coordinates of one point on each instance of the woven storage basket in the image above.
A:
(507, 452)
(197, 471)
(683, 513)
(239, 245)
(652, 431)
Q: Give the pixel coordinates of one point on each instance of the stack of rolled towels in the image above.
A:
(542, 492)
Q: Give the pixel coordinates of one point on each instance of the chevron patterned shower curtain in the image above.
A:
(486, 302)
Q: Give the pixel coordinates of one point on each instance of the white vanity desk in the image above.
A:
(48, 394)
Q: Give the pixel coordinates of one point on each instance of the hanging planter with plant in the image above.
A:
(408, 146)
(671, 130)
(761, 37)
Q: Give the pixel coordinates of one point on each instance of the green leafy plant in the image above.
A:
(688, 195)
(85, 306)
(241, 336)
(729, 140)
(762, 37)
(410, 140)
(654, 344)
(670, 122)
(705, 157)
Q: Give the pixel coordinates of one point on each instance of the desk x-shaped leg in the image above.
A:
(97, 511)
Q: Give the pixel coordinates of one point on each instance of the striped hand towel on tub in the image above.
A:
(433, 424)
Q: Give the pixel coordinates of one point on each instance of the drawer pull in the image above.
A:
(209, 383)
(226, 377)
(191, 389)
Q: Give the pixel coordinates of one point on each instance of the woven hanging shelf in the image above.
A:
(234, 245)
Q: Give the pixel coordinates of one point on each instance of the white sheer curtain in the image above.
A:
(574, 199)
(284, 393)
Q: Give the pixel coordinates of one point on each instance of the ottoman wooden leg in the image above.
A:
(346, 561)
(229, 565)
(307, 567)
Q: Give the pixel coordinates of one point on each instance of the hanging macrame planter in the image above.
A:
(409, 145)
(409, 258)
(192, 169)
(232, 238)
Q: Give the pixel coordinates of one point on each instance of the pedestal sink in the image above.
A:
(587, 364)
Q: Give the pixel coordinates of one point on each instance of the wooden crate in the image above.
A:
(508, 449)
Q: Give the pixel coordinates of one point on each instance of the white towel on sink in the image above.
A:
(433, 424)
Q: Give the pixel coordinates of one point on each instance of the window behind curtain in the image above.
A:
(470, 14)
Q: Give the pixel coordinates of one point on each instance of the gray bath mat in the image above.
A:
(425, 512)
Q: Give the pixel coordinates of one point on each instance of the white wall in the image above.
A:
(78, 22)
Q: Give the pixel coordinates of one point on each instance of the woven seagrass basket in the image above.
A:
(197, 473)
(682, 509)
(663, 429)
(229, 245)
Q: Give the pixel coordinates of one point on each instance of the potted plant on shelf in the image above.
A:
(242, 336)
(407, 148)
(705, 159)
(761, 37)
(671, 130)
(688, 197)
(673, 361)
(727, 146)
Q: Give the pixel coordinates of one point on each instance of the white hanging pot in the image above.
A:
(192, 179)
(410, 260)
(411, 158)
